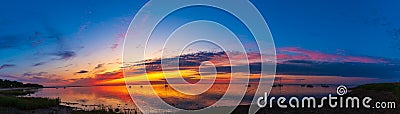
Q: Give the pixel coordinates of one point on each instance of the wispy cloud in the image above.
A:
(64, 55)
(65, 66)
(296, 53)
(98, 66)
(30, 74)
(98, 79)
(121, 27)
(6, 66)
(38, 64)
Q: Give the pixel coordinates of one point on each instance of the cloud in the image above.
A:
(347, 69)
(98, 66)
(98, 79)
(38, 64)
(186, 61)
(296, 53)
(318, 68)
(30, 74)
(114, 46)
(64, 55)
(82, 72)
(84, 27)
(6, 66)
(65, 66)
(109, 75)
(295, 61)
(121, 27)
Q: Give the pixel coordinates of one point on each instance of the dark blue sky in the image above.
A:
(358, 27)
(52, 40)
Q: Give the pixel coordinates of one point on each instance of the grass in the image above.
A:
(26, 103)
(15, 92)
(388, 87)
(103, 109)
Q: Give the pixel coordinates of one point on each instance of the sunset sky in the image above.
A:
(80, 42)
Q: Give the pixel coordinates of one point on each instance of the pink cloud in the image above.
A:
(121, 27)
(296, 53)
(98, 78)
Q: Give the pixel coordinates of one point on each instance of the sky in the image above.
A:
(81, 42)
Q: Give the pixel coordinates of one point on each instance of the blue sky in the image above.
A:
(47, 41)
(353, 26)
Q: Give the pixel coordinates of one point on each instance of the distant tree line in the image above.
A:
(16, 84)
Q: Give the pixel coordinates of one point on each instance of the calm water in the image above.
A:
(89, 98)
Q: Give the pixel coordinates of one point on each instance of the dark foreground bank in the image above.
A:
(382, 92)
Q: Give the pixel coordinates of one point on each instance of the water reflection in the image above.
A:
(89, 98)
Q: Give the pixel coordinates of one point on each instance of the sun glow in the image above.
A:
(154, 76)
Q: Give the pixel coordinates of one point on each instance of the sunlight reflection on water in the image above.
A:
(89, 98)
